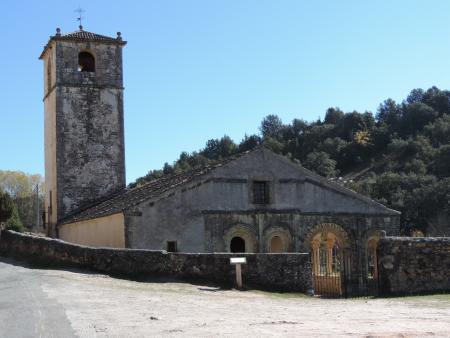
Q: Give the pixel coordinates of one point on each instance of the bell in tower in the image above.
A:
(84, 129)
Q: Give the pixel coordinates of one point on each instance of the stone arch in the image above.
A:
(284, 236)
(341, 235)
(244, 232)
(374, 233)
(86, 62)
(327, 243)
(370, 245)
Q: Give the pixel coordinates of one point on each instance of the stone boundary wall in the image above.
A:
(277, 272)
(414, 265)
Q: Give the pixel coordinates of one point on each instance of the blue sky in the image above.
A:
(196, 70)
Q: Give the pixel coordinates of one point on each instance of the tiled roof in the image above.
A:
(82, 35)
(150, 190)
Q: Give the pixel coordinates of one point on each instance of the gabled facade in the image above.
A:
(265, 200)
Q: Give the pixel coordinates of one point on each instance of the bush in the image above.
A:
(14, 222)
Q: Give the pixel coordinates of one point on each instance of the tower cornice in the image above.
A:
(83, 36)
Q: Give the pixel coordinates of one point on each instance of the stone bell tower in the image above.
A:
(84, 131)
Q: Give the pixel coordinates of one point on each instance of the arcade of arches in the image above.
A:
(338, 257)
(327, 242)
(333, 258)
(241, 239)
(277, 244)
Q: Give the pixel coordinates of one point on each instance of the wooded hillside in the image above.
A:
(400, 156)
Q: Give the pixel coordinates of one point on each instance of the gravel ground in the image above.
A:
(100, 306)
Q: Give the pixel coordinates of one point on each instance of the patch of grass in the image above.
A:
(437, 297)
(283, 295)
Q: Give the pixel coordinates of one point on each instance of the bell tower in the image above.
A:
(84, 129)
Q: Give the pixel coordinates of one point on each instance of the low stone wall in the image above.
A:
(409, 265)
(279, 272)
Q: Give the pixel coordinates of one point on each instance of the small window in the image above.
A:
(260, 192)
(171, 246)
(86, 62)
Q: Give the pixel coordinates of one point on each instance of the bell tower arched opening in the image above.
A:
(86, 62)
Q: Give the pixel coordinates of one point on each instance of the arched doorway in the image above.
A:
(276, 244)
(328, 242)
(371, 260)
(326, 254)
(240, 238)
(237, 244)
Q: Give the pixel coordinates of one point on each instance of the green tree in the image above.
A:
(22, 189)
(437, 99)
(270, 126)
(6, 206)
(439, 131)
(441, 163)
(333, 116)
(403, 192)
(415, 96)
(389, 113)
(415, 116)
(168, 169)
(8, 213)
(321, 163)
(273, 144)
(350, 124)
(216, 149)
(333, 146)
(14, 222)
(249, 142)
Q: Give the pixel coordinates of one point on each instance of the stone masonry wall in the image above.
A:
(280, 272)
(409, 265)
(90, 150)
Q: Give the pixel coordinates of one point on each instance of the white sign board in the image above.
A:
(238, 260)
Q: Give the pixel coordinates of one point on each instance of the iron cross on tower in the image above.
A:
(80, 11)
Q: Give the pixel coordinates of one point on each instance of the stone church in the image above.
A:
(256, 201)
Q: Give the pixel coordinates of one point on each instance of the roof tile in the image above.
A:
(84, 35)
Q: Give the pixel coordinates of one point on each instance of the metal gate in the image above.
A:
(347, 278)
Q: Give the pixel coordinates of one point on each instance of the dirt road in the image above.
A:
(54, 303)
